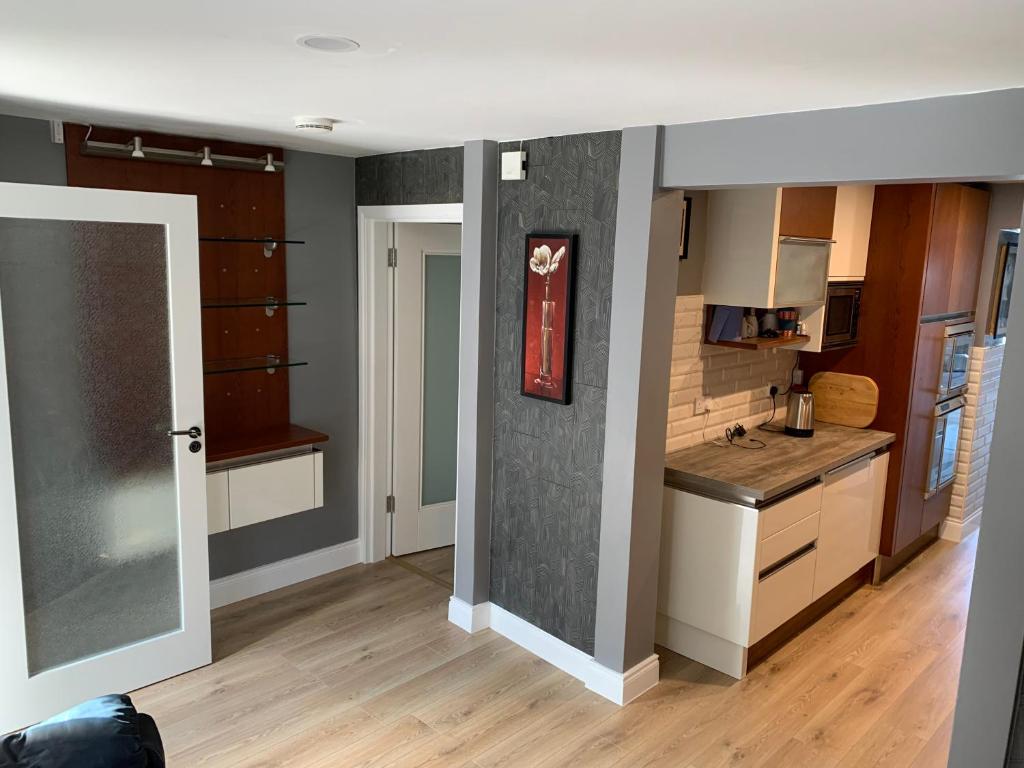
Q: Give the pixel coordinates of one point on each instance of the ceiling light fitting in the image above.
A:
(328, 43)
(205, 157)
(315, 124)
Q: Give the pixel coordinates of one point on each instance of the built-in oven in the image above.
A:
(949, 416)
(956, 359)
(842, 313)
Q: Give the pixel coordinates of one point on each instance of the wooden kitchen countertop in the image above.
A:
(753, 477)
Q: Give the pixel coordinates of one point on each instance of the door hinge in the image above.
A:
(390, 504)
(392, 257)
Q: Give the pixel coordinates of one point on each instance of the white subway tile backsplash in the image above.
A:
(976, 435)
(737, 381)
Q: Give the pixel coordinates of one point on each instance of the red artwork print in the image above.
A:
(547, 316)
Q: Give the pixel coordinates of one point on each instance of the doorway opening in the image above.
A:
(409, 366)
(887, 305)
(423, 377)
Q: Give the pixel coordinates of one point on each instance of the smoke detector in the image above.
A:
(315, 124)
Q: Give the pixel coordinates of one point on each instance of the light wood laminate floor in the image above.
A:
(437, 564)
(361, 668)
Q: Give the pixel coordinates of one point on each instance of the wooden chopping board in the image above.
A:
(845, 399)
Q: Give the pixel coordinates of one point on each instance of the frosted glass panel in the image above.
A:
(86, 336)
(801, 275)
(440, 376)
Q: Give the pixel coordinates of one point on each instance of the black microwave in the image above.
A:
(842, 313)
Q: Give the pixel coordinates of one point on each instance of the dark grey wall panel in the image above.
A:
(410, 178)
(546, 512)
(320, 209)
(27, 156)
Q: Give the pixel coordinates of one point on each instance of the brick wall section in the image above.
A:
(735, 381)
(976, 435)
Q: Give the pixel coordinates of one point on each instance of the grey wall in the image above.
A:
(410, 178)
(27, 156)
(546, 505)
(977, 136)
(643, 307)
(320, 209)
(476, 374)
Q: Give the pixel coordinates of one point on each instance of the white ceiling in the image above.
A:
(438, 72)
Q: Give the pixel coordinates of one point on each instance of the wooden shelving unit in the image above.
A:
(243, 251)
(759, 343)
(273, 439)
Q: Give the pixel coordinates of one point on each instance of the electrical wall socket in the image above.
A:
(701, 405)
(798, 376)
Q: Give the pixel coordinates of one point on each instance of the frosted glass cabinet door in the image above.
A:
(94, 489)
(801, 272)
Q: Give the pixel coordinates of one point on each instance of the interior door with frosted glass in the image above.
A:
(425, 390)
(104, 584)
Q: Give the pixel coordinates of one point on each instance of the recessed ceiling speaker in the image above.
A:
(328, 43)
(315, 124)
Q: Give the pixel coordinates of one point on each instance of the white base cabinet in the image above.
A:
(730, 574)
(845, 541)
(253, 493)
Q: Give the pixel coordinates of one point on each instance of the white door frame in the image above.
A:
(373, 350)
(137, 665)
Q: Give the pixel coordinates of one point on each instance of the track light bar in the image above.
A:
(135, 149)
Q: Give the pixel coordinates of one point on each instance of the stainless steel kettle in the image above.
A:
(800, 414)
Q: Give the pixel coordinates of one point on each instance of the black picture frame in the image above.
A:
(1002, 286)
(568, 334)
(684, 229)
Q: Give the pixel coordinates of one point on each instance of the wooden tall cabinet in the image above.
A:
(924, 257)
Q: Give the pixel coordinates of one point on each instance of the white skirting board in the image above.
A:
(284, 573)
(958, 530)
(619, 687)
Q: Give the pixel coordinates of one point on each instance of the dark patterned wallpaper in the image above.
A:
(546, 512)
(410, 178)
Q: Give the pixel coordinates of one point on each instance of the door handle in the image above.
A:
(192, 432)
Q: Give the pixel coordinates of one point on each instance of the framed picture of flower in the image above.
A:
(548, 297)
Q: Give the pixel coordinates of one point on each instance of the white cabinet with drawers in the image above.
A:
(731, 574)
(252, 493)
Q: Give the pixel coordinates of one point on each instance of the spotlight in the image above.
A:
(137, 148)
(269, 167)
(207, 160)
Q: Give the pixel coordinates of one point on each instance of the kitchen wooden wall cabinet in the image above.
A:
(851, 231)
(924, 255)
(756, 252)
(959, 216)
(729, 574)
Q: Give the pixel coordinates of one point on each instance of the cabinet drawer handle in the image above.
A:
(777, 566)
(848, 464)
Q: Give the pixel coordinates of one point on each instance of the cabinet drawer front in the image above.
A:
(272, 489)
(782, 595)
(846, 539)
(790, 510)
(787, 541)
(217, 502)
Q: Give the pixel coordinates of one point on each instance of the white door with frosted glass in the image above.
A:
(104, 584)
(424, 380)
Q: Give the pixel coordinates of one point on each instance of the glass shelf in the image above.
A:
(262, 240)
(253, 301)
(266, 363)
